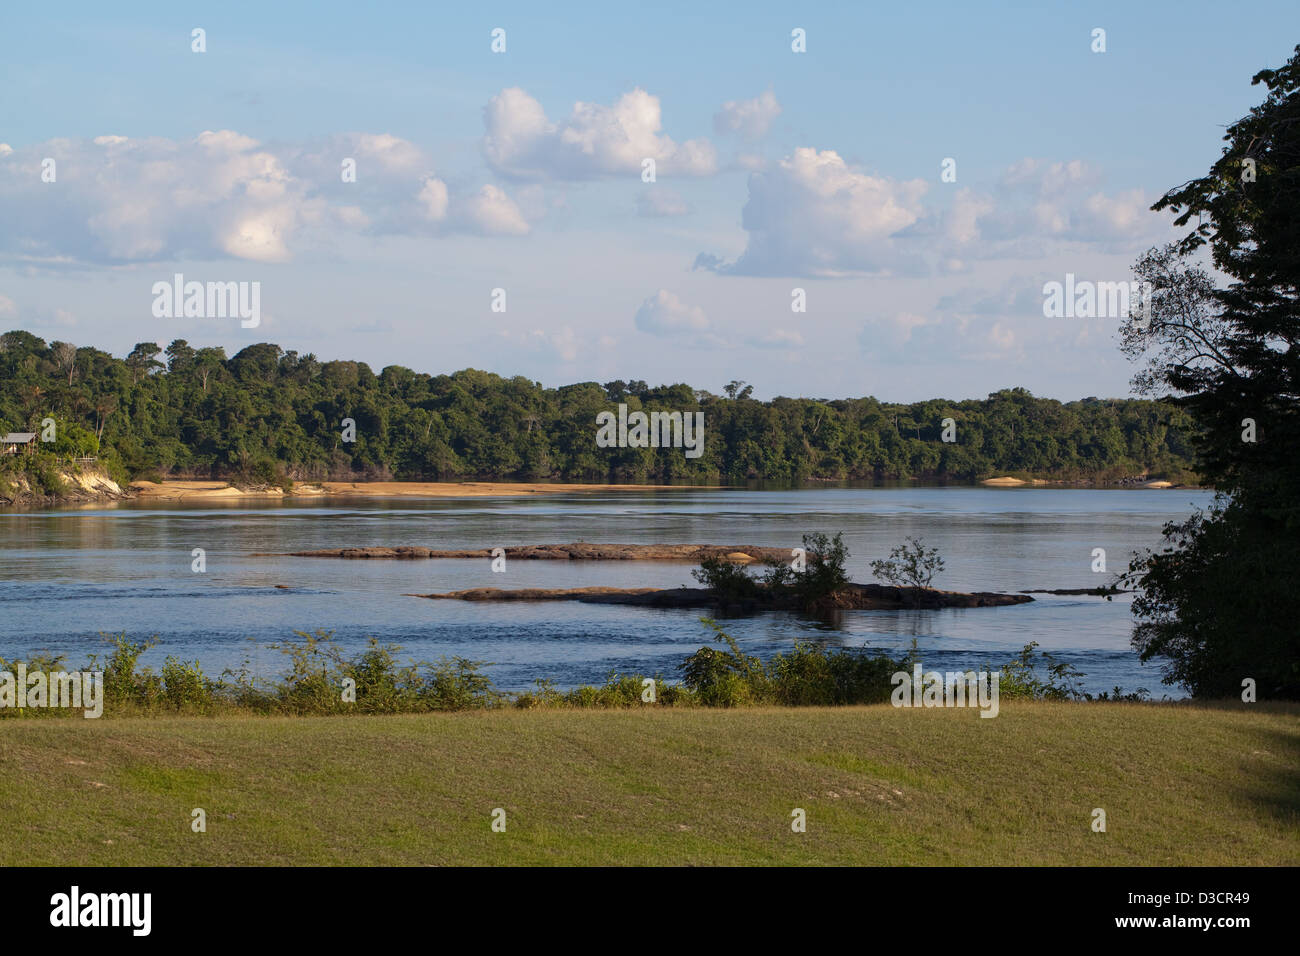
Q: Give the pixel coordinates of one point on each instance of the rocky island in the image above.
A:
(851, 597)
(577, 551)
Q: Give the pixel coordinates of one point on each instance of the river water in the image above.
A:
(69, 575)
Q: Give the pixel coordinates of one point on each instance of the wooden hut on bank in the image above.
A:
(18, 443)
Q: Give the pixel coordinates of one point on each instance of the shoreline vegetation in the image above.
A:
(267, 417)
(319, 679)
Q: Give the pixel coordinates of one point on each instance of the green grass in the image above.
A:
(1181, 784)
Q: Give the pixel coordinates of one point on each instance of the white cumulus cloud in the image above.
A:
(493, 213)
(815, 215)
(750, 119)
(664, 313)
(433, 198)
(594, 141)
(223, 194)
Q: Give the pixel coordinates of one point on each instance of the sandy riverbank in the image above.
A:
(187, 490)
(1006, 481)
(182, 489)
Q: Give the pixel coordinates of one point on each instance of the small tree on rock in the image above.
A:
(910, 565)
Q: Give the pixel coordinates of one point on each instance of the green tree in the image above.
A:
(143, 359)
(1219, 601)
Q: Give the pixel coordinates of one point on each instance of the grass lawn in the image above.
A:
(1181, 784)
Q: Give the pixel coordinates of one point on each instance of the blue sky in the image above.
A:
(522, 171)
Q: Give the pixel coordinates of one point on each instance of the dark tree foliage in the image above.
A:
(823, 573)
(727, 580)
(202, 413)
(1220, 599)
(820, 575)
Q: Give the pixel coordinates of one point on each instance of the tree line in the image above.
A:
(270, 413)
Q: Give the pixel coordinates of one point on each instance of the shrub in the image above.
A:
(546, 695)
(824, 572)
(809, 675)
(37, 662)
(1019, 678)
(822, 575)
(619, 690)
(184, 685)
(910, 565)
(812, 675)
(44, 477)
(318, 670)
(457, 684)
(112, 464)
(727, 678)
(728, 581)
(269, 473)
(122, 685)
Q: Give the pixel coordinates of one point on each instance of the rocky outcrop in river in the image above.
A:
(853, 597)
(578, 551)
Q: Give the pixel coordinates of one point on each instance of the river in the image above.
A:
(69, 574)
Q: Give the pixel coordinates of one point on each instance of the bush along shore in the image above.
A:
(320, 680)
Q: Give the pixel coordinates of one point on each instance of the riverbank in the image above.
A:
(191, 490)
(1181, 785)
(58, 486)
(1140, 481)
(17, 491)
